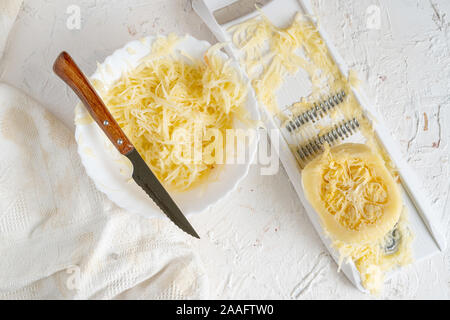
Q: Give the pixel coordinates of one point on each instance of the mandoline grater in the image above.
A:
(219, 15)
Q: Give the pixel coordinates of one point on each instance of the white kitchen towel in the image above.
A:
(61, 238)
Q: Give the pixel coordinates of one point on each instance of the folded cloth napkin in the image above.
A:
(61, 238)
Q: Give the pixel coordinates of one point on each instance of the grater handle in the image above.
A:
(204, 11)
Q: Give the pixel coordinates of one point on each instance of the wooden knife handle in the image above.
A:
(69, 72)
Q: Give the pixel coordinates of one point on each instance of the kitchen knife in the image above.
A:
(69, 72)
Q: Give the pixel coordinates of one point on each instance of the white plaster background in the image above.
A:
(258, 243)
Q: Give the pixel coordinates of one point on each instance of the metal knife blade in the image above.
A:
(238, 9)
(145, 178)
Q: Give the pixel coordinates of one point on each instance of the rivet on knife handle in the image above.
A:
(68, 71)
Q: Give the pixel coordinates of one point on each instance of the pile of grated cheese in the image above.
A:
(167, 105)
(353, 194)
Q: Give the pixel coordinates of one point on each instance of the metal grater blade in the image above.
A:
(318, 111)
(392, 242)
(340, 132)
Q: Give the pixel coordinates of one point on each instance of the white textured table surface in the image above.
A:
(258, 243)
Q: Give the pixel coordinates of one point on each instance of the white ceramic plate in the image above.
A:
(111, 172)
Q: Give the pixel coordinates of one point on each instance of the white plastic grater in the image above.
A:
(428, 240)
